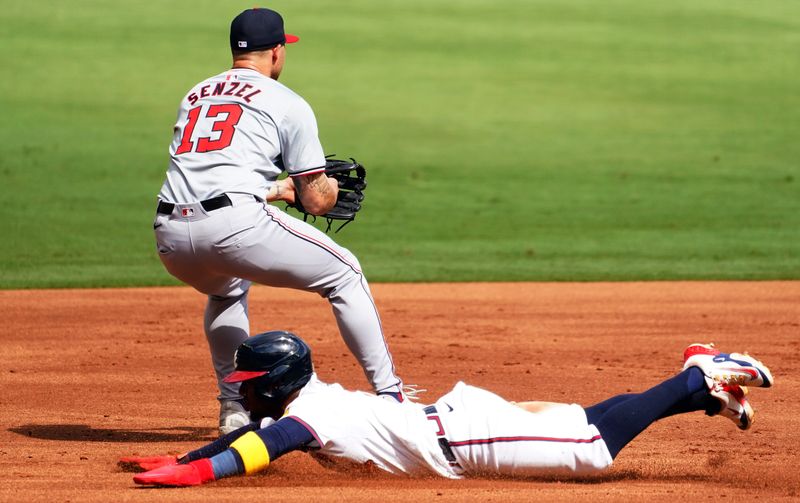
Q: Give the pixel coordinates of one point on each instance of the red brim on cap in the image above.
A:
(290, 39)
(243, 375)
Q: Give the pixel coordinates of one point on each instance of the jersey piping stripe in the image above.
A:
(333, 252)
(380, 326)
(309, 171)
(308, 427)
(482, 441)
(309, 239)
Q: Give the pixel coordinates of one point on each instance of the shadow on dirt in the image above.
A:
(86, 433)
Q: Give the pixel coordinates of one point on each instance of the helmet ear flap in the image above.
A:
(278, 371)
(278, 384)
(276, 380)
(283, 358)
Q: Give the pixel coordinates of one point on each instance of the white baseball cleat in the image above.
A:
(232, 416)
(727, 368)
(699, 348)
(734, 405)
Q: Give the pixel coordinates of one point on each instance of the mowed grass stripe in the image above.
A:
(506, 140)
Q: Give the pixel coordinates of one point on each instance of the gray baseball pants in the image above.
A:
(221, 252)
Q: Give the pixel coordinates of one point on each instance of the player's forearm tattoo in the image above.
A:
(319, 184)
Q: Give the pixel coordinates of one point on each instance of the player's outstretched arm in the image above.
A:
(145, 463)
(250, 453)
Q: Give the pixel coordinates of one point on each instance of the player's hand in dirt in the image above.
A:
(145, 463)
(190, 474)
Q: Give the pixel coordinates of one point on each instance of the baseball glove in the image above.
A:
(352, 179)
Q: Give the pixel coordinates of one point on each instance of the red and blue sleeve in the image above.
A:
(255, 450)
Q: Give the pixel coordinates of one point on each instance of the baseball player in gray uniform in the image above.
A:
(468, 431)
(236, 132)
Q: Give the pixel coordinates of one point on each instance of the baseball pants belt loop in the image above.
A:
(444, 444)
(212, 204)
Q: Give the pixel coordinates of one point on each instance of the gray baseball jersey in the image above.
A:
(235, 133)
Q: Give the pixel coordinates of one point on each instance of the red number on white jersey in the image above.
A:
(225, 126)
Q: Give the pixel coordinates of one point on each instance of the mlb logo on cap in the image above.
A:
(258, 28)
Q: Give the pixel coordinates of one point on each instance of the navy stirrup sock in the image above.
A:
(621, 418)
(595, 412)
(700, 400)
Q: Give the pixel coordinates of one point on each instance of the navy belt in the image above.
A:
(444, 444)
(212, 204)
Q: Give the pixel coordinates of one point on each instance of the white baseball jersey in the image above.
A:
(236, 132)
(483, 433)
(362, 427)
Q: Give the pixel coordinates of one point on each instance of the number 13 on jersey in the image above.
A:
(223, 118)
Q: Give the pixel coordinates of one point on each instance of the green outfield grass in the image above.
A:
(506, 140)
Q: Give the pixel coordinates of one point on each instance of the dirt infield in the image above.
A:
(91, 375)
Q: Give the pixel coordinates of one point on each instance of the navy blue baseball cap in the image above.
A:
(258, 28)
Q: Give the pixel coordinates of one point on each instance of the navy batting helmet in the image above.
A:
(277, 362)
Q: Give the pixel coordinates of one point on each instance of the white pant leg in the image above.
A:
(487, 434)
